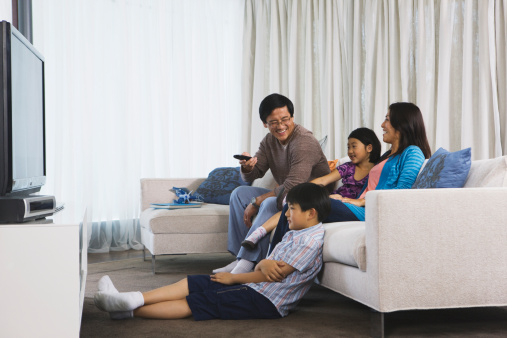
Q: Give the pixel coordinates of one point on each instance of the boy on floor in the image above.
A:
(294, 264)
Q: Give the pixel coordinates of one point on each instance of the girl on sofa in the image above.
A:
(363, 149)
(403, 128)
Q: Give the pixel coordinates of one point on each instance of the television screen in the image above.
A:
(27, 115)
(22, 153)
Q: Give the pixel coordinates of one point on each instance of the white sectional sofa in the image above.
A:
(417, 249)
(425, 248)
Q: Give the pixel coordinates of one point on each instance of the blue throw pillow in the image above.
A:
(220, 183)
(445, 170)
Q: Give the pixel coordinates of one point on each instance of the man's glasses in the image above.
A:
(277, 123)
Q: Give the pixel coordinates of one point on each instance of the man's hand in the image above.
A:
(247, 166)
(250, 212)
(226, 278)
(271, 269)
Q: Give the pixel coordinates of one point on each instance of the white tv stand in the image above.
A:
(43, 279)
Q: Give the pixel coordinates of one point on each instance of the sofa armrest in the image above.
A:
(437, 248)
(158, 190)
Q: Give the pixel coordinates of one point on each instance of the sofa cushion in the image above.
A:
(220, 183)
(445, 170)
(488, 173)
(345, 243)
(210, 218)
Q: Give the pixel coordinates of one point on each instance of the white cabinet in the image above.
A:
(42, 280)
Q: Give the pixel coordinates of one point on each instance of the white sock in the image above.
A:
(121, 314)
(106, 285)
(243, 266)
(113, 302)
(227, 268)
(256, 235)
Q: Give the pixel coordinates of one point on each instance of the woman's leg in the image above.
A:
(339, 213)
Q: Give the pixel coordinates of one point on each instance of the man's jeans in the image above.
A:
(238, 231)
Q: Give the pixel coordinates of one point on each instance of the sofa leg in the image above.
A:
(153, 264)
(377, 324)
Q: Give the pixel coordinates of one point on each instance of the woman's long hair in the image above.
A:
(407, 118)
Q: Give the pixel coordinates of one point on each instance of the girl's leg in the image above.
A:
(281, 229)
(251, 241)
(174, 309)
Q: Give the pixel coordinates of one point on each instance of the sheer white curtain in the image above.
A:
(343, 62)
(135, 88)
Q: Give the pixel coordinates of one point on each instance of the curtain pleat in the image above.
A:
(348, 60)
(136, 89)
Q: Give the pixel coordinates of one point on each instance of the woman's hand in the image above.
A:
(359, 202)
(336, 197)
(226, 278)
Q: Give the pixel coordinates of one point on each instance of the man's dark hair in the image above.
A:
(311, 195)
(273, 101)
(368, 136)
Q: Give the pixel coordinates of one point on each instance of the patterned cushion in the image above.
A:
(445, 170)
(220, 183)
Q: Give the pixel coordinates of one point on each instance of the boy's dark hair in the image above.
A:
(368, 136)
(311, 195)
(273, 101)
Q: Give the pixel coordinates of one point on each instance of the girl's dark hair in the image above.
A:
(368, 136)
(311, 195)
(273, 101)
(407, 118)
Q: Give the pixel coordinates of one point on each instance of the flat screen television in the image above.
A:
(22, 115)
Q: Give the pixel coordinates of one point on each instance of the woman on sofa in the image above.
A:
(403, 128)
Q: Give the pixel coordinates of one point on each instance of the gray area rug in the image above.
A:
(322, 313)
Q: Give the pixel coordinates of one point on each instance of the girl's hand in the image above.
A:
(358, 202)
(223, 277)
(336, 197)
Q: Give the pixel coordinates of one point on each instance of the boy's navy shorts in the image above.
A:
(211, 300)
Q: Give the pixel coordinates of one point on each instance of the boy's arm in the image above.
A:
(238, 278)
(283, 270)
(274, 271)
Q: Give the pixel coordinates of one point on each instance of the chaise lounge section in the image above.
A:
(184, 231)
